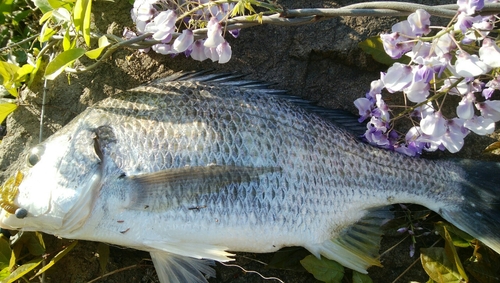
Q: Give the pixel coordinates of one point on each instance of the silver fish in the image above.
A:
(191, 167)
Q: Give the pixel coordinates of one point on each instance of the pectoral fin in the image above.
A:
(175, 268)
(170, 188)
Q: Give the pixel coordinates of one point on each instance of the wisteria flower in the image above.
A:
(480, 125)
(224, 51)
(214, 34)
(489, 53)
(364, 106)
(490, 109)
(198, 51)
(465, 108)
(162, 25)
(184, 41)
(469, 7)
(433, 125)
(420, 22)
(395, 45)
(469, 65)
(398, 77)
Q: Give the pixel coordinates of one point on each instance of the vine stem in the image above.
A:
(293, 17)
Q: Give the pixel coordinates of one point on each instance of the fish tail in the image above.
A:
(478, 210)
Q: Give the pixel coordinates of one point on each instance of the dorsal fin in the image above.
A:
(339, 117)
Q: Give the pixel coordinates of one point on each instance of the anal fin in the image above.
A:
(357, 247)
(172, 268)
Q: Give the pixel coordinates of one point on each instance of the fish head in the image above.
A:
(52, 192)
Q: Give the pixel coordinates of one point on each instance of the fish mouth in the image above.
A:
(8, 193)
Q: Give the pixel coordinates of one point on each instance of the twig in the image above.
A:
(251, 271)
(116, 271)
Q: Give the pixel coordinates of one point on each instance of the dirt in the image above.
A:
(320, 62)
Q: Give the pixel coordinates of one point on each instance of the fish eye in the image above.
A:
(35, 155)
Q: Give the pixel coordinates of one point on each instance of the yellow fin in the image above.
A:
(358, 246)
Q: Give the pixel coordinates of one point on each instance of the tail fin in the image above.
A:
(478, 213)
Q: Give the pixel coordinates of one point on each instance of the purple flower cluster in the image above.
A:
(155, 17)
(424, 82)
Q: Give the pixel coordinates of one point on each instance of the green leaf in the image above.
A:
(4, 273)
(6, 6)
(360, 277)
(4, 250)
(81, 15)
(32, 241)
(22, 270)
(61, 61)
(6, 109)
(8, 73)
(56, 258)
(5, 253)
(323, 269)
(103, 252)
(438, 266)
(59, 3)
(289, 258)
(45, 17)
(86, 23)
(458, 237)
(22, 72)
(451, 252)
(67, 41)
(374, 47)
(43, 5)
(95, 53)
(46, 33)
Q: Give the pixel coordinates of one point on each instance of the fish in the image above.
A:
(196, 166)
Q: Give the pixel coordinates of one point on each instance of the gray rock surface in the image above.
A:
(320, 62)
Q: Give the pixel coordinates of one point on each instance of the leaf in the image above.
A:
(22, 270)
(4, 250)
(31, 240)
(81, 20)
(6, 109)
(103, 43)
(22, 72)
(67, 41)
(373, 46)
(86, 23)
(8, 73)
(492, 147)
(484, 266)
(4, 273)
(289, 258)
(438, 266)
(46, 33)
(43, 5)
(323, 269)
(458, 237)
(6, 6)
(451, 252)
(56, 66)
(103, 252)
(56, 258)
(360, 277)
(4, 257)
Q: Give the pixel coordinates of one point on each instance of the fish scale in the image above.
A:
(189, 169)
